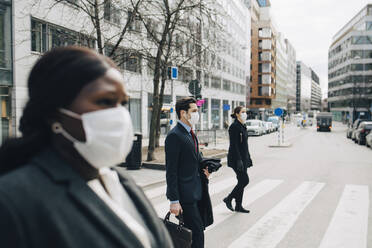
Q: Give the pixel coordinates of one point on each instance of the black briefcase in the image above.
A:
(181, 236)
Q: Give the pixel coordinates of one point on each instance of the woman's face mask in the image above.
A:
(109, 136)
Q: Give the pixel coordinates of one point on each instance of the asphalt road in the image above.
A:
(314, 194)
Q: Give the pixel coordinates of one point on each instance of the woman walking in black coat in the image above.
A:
(58, 187)
(238, 158)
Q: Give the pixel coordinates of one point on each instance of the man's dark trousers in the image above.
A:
(193, 221)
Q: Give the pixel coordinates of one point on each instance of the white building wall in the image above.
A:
(280, 100)
(139, 85)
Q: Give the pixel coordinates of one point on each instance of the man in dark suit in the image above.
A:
(184, 188)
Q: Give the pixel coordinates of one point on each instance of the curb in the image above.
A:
(158, 166)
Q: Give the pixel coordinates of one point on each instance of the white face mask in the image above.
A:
(243, 116)
(194, 119)
(109, 136)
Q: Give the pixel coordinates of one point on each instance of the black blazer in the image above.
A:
(238, 149)
(182, 166)
(47, 204)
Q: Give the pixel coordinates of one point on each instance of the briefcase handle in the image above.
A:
(179, 217)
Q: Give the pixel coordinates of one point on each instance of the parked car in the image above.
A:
(267, 126)
(349, 130)
(275, 121)
(355, 127)
(369, 140)
(363, 130)
(255, 127)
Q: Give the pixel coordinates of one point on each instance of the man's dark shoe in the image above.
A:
(227, 201)
(241, 209)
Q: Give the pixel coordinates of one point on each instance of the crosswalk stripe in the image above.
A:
(214, 188)
(271, 229)
(349, 225)
(251, 194)
(158, 191)
(161, 190)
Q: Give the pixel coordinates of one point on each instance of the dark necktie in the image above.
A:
(194, 138)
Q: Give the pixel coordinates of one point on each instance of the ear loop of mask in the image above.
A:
(58, 129)
(70, 113)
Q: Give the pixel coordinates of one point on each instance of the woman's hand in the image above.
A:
(240, 165)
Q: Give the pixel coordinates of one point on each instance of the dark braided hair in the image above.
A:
(54, 82)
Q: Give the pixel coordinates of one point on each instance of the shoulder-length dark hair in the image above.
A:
(54, 82)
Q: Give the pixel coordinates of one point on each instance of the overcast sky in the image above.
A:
(310, 25)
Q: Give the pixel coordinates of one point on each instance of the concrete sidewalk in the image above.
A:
(147, 178)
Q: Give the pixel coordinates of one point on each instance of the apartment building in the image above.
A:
(303, 87)
(263, 63)
(350, 68)
(6, 70)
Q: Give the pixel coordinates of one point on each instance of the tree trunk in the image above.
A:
(155, 113)
(161, 100)
(97, 24)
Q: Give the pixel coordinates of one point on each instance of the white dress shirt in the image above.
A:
(120, 203)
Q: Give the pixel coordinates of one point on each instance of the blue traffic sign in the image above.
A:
(174, 73)
(278, 112)
(171, 110)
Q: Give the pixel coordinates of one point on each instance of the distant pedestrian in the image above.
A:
(184, 176)
(238, 158)
(57, 185)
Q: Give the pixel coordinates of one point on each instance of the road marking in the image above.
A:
(214, 188)
(158, 191)
(251, 194)
(271, 229)
(349, 225)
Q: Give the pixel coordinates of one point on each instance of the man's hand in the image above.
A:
(206, 173)
(175, 208)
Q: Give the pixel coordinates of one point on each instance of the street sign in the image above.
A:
(278, 112)
(171, 110)
(226, 107)
(174, 74)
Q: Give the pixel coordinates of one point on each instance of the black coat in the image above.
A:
(47, 204)
(186, 181)
(182, 167)
(238, 149)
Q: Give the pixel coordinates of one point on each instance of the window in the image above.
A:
(215, 111)
(361, 40)
(111, 13)
(45, 36)
(368, 25)
(135, 23)
(226, 85)
(206, 80)
(38, 36)
(216, 83)
(128, 59)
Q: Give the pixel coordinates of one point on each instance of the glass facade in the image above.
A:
(349, 73)
(6, 70)
(216, 113)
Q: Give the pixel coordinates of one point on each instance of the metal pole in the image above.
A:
(173, 105)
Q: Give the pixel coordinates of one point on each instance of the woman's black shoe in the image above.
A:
(241, 209)
(227, 201)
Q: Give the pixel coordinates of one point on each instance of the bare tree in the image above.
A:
(182, 18)
(102, 14)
